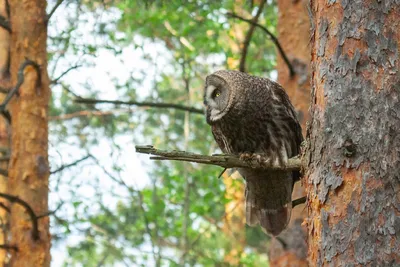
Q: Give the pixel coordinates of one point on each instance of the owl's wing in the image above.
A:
(218, 136)
(289, 115)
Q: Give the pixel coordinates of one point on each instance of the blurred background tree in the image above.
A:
(112, 63)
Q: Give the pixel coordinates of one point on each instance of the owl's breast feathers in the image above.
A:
(263, 127)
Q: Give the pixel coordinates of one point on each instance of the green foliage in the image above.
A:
(120, 222)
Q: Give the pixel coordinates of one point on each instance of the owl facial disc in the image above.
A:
(216, 98)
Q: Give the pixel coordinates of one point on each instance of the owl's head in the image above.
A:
(219, 94)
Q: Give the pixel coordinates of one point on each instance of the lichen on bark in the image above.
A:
(354, 136)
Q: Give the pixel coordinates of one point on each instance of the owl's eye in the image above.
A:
(217, 93)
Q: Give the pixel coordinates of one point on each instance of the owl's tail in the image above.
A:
(269, 201)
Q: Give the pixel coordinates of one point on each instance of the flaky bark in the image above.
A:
(293, 29)
(29, 168)
(354, 138)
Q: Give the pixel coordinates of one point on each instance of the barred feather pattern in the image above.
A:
(257, 117)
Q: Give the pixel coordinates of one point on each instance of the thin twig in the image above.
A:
(49, 213)
(55, 81)
(299, 201)
(271, 36)
(70, 164)
(89, 113)
(59, 2)
(139, 104)
(225, 161)
(8, 247)
(4, 90)
(28, 208)
(4, 158)
(5, 24)
(3, 206)
(246, 43)
(222, 172)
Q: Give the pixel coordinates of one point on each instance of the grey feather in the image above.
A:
(250, 114)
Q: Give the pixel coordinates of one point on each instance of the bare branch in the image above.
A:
(4, 90)
(28, 208)
(139, 104)
(51, 212)
(246, 43)
(299, 201)
(55, 81)
(225, 161)
(4, 207)
(5, 24)
(88, 113)
(4, 158)
(59, 2)
(8, 247)
(271, 36)
(20, 81)
(70, 164)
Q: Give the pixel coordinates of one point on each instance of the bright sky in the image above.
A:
(104, 68)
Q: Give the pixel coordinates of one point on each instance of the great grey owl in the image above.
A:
(249, 115)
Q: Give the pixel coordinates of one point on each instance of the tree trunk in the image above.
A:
(4, 127)
(293, 29)
(29, 168)
(354, 140)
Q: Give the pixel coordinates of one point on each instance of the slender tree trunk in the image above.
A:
(353, 157)
(294, 28)
(4, 128)
(29, 168)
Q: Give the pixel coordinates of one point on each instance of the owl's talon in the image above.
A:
(246, 156)
(251, 157)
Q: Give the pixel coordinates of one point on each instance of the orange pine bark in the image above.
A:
(29, 168)
(4, 128)
(293, 29)
(354, 138)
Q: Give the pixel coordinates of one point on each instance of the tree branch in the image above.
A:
(5, 24)
(225, 161)
(249, 34)
(8, 247)
(28, 208)
(139, 104)
(4, 90)
(52, 212)
(4, 207)
(271, 36)
(55, 81)
(89, 113)
(70, 164)
(299, 201)
(59, 2)
(20, 81)
(4, 158)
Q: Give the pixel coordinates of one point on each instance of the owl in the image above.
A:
(250, 116)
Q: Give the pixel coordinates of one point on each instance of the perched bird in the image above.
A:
(250, 115)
